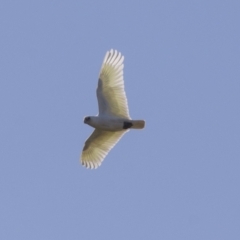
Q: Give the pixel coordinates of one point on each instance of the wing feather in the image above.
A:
(111, 95)
(97, 146)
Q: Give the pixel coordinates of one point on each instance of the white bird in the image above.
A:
(113, 120)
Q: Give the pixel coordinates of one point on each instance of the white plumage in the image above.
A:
(113, 120)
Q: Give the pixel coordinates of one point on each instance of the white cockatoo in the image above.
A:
(113, 120)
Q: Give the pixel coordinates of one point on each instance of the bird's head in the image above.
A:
(87, 119)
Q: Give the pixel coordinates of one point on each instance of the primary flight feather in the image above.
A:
(113, 120)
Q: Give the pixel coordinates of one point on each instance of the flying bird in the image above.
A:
(113, 120)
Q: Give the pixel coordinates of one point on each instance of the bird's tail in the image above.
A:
(138, 124)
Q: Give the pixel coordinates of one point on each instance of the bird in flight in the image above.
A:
(113, 120)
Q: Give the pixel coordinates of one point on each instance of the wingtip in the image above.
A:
(113, 57)
(90, 165)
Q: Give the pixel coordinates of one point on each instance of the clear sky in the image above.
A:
(179, 178)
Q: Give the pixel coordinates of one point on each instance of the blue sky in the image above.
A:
(178, 178)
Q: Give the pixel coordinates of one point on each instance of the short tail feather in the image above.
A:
(138, 124)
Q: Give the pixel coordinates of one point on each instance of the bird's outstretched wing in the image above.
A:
(111, 95)
(97, 147)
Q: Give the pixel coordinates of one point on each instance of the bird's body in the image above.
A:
(113, 124)
(113, 120)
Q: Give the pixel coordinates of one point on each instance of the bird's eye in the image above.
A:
(86, 119)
